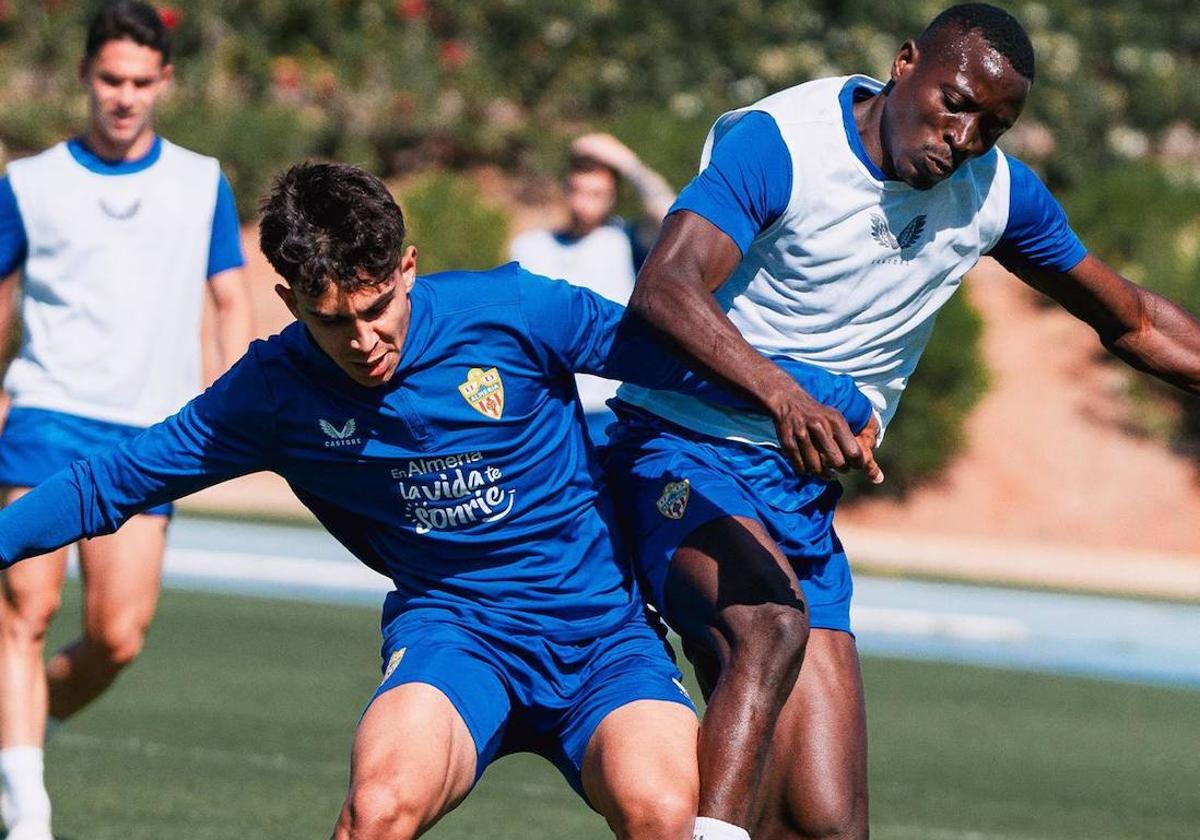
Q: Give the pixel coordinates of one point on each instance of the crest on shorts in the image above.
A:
(673, 501)
(393, 662)
(484, 392)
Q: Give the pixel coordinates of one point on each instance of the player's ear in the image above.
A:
(408, 267)
(168, 74)
(289, 298)
(905, 59)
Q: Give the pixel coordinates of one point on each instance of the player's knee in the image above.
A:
(383, 809)
(28, 619)
(835, 816)
(770, 636)
(657, 811)
(117, 646)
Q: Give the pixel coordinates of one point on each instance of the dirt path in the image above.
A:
(1047, 456)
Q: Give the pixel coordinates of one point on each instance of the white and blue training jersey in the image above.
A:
(604, 260)
(114, 259)
(467, 478)
(841, 267)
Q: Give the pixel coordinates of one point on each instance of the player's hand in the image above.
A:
(868, 439)
(608, 150)
(816, 438)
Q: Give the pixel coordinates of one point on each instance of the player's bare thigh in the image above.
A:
(640, 770)
(816, 779)
(31, 594)
(413, 761)
(728, 574)
(122, 577)
(33, 587)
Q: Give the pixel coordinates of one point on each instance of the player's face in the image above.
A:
(124, 81)
(591, 199)
(948, 104)
(362, 331)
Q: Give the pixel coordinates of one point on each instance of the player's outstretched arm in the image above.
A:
(223, 433)
(691, 258)
(1143, 329)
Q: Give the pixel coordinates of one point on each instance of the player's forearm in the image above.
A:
(8, 318)
(638, 357)
(234, 327)
(682, 308)
(1165, 343)
(234, 334)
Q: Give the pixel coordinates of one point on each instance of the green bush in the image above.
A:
(928, 428)
(399, 85)
(451, 227)
(253, 142)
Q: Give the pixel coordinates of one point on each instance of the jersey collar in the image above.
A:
(856, 89)
(89, 160)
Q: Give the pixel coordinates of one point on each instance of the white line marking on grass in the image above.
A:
(200, 755)
(267, 568)
(947, 625)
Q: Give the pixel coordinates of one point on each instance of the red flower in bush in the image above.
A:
(411, 10)
(170, 17)
(453, 55)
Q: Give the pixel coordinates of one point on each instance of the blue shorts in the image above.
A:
(525, 693)
(668, 481)
(36, 443)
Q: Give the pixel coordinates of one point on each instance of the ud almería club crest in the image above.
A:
(484, 392)
(673, 502)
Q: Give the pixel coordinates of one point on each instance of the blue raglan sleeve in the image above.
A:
(747, 183)
(224, 432)
(1037, 231)
(14, 243)
(581, 332)
(225, 245)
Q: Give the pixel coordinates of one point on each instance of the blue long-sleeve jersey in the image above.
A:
(466, 479)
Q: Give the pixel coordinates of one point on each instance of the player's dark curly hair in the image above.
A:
(328, 223)
(127, 19)
(997, 27)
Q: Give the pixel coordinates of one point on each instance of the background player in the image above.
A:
(115, 232)
(829, 223)
(594, 248)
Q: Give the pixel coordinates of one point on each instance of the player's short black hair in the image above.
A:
(998, 28)
(328, 223)
(128, 20)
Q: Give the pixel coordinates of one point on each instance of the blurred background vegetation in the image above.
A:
(429, 90)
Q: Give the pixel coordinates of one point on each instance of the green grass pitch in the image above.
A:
(237, 723)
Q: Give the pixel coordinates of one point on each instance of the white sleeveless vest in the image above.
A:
(113, 284)
(851, 276)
